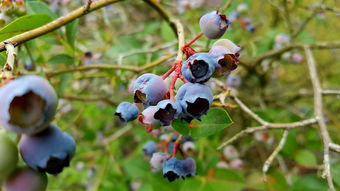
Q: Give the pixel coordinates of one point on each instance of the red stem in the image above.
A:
(194, 39)
(167, 74)
(172, 86)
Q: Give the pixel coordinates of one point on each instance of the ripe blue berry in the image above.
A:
(233, 81)
(168, 110)
(8, 156)
(172, 169)
(149, 89)
(157, 161)
(149, 148)
(233, 16)
(26, 179)
(195, 99)
(189, 167)
(198, 68)
(49, 151)
(127, 111)
(28, 104)
(225, 60)
(213, 25)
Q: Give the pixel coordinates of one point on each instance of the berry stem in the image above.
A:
(172, 86)
(194, 39)
(167, 74)
(176, 146)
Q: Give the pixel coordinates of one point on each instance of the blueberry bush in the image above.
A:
(188, 95)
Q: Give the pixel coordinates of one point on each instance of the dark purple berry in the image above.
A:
(213, 25)
(149, 89)
(26, 179)
(49, 151)
(198, 68)
(28, 104)
(168, 110)
(127, 111)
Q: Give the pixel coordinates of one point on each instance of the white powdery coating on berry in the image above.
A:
(212, 25)
(194, 59)
(188, 146)
(127, 111)
(230, 45)
(157, 161)
(20, 87)
(148, 115)
(230, 152)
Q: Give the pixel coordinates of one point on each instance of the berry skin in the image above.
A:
(49, 151)
(28, 104)
(149, 148)
(147, 117)
(230, 45)
(127, 111)
(8, 156)
(213, 25)
(198, 68)
(26, 179)
(225, 60)
(168, 110)
(195, 99)
(149, 89)
(233, 81)
(172, 169)
(230, 152)
(189, 167)
(157, 161)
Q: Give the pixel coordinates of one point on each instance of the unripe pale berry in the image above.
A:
(147, 117)
(8, 156)
(28, 104)
(233, 81)
(198, 68)
(213, 25)
(49, 151)
(127, 111)
(157, 161)
(26, 179)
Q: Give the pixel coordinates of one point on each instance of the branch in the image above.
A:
(53, 25)
(8, 69)
(275, 152)
(331, 92)
(318, 107)
(334, 147)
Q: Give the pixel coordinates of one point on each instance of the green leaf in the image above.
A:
(305, 157)
(23, 24)
(39, 7)
(310, 183)
(216, 120)
(71, 31)
(61, 59)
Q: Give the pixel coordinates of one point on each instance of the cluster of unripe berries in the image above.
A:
(193, 99)
(28, 105)
(240, 16)
(281, 40)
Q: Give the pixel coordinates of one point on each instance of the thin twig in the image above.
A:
(55, 24)
(334, 147)
(331, 92)
(8, 69)
(318, 107)
(275, 152)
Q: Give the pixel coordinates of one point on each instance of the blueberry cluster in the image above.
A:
(193, 99)
(28, 106)
(240, 16)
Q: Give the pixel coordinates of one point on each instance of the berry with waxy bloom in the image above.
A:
(26, 179)
(189, 167)
(149, 89)
(157, 161)
(230, 152)
(149, 148)
(213, 25)
(225, 60)
(233, 81)
(127, 111)
(8, 156)
(195, 99)
(172, 169)
(198, 68)
(168, 110)
(48, 151)
(28, 104)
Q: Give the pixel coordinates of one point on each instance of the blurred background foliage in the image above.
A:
(277, 89)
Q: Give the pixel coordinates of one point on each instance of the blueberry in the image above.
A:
(168, 110)
(147, 117)
(149, 148)
(49, 151)
(8, 156)
(149, 89)
(233, 81)
(188, 147)
(233, 16)
(225, 60)
(198, 68)
(195, 99)
(230, 152)
(189, 167)
(29, 66)
(213, 25)
(172, 169)
(282, 38)
(230, 45)
(250, 28)
(127, 111)
(157, 161)
(28, 104)
(26, 179)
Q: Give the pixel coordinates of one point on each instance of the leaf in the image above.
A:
(309, 182)
(216, 120)
(61, 59)
(71, 31)
(23, 24)
(39, 7)
(305, 157)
